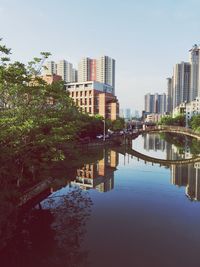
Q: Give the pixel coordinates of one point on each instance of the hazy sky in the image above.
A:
(145, 37)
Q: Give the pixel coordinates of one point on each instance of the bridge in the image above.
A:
(159, 129)
(161, 162)
(171, 129)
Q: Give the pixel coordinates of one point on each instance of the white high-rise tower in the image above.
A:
(106, 71)
(194, 58)
(65, 70)
(50, 68)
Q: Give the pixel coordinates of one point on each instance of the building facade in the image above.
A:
(50, 68)
(94, 98)
(66, 71)
(192, 108)
(101, 70)
(194, 58)
(62, 68)
(155, 103)
(169, 95)
(181, 83)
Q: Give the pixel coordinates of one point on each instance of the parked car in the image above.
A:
(99, 136)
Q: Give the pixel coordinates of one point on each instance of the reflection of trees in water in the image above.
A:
(18, 174)
(182, 142)
(70, 213)
(52, 234)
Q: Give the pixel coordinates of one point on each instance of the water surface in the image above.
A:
(115, 211)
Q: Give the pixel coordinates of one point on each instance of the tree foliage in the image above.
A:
(195, 123)
(179, 120)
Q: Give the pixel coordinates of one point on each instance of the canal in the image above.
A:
(115, 210)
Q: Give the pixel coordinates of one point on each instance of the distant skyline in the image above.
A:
(146, 38)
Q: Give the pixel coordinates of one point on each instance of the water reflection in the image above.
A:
(181, 175)
(52, 231)
(99, 175)
(188, 176)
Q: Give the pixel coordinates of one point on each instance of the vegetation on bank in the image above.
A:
(195, 123)
(36, 114)
(37, 119)
(182, 142)
(179, 120)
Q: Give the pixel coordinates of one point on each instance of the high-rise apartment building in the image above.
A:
(106, 71)
(84, 70)
(101, 70)
(155, 103)
(50, 68)
(181, 83)
(169, 95)
(62, 68)
(148, 103)
(194, 58)
(66, 71)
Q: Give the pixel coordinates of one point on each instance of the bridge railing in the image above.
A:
(172, 128)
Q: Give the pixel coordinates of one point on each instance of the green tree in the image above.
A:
(36, 119)
(195, 122)
(179, 120)
(118, 124)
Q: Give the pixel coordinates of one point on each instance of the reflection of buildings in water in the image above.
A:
(188, 153)
(181, 175)
(193, 187)
(174, 153)
(154, 142)
(188, 176)
(98, 175)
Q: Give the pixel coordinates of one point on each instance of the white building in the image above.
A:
(105, 69)
(66, 71)
(194, 58)
(84, 70)
(50, 68)
(153, 117)
(193, 108)
(180, 109)
(62, 68)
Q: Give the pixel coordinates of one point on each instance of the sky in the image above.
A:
(145, 37)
